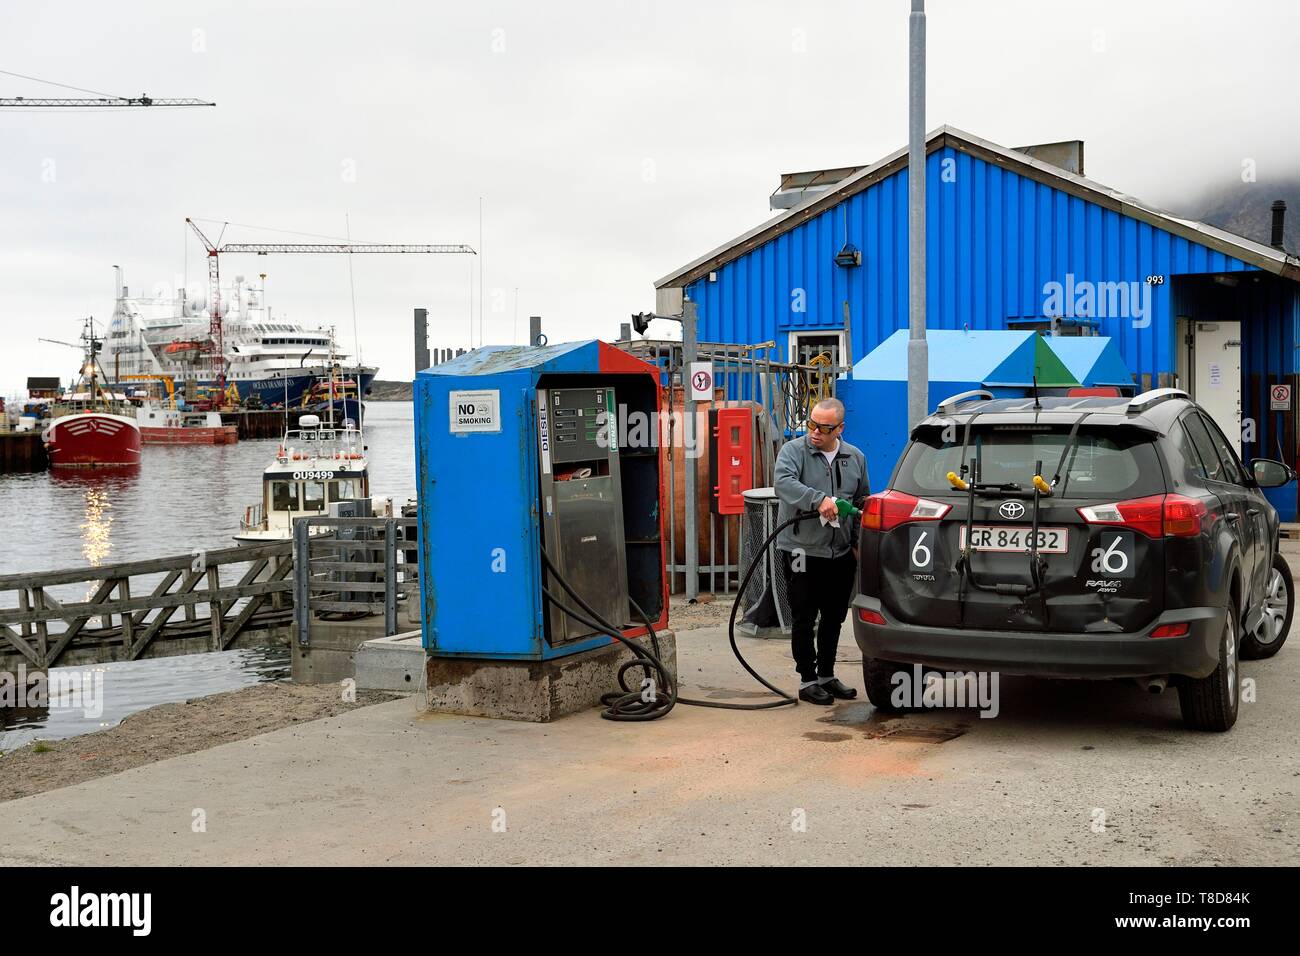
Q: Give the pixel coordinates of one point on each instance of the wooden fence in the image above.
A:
(109, 624)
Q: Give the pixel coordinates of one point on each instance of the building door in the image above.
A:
(1209, 368)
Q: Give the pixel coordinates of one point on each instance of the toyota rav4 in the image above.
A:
(1074, 538)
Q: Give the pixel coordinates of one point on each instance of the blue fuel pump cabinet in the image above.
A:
(511, 458)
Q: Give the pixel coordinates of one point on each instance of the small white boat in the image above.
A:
(315, 466)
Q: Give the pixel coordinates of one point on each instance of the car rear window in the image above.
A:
(1112, 464)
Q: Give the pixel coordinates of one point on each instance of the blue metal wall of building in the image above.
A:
(994, 238)
(999, 232)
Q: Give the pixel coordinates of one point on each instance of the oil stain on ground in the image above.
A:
(875, 725)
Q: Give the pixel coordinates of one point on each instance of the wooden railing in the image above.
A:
(109, 624)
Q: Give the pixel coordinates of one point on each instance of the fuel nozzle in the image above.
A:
(846, 509)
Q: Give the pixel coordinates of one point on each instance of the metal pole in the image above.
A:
(421, 340)
(918, 354)
(689, 457)
(534, 329)
(302, 580)
(390, 577)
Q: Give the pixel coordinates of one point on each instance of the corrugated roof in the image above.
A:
(1255, 253)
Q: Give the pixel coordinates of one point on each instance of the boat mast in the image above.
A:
(94, 380)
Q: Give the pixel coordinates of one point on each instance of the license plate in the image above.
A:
(1015, 538)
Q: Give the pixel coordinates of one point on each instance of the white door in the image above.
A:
(1216, 375)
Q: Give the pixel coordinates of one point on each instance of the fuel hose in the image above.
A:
(657, 694)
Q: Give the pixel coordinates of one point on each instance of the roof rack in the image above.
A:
(949, 404)
(1140, 403)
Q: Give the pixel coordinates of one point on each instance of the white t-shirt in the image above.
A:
(830, 459)
(830, 455)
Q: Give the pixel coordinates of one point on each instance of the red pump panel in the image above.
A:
(731, 459)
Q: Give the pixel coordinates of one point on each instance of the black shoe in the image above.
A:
(839, 690)
(814, 694)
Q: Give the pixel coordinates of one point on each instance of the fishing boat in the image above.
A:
(316, 465)
(163, 423)
(89, 426)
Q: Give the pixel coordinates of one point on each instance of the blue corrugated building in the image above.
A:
(1014, 241)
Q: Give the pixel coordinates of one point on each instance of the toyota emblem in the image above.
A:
(1012, 510)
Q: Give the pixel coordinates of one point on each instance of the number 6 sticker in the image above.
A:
(1115, 556)
(920, 543)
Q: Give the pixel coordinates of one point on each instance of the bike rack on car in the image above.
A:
(1041, 489)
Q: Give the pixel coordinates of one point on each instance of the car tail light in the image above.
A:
(1155, 516)
(1183, 516)
(867, 616)
(889, 509)
(1172, 630)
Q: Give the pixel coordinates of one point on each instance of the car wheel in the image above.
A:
(878, 679)
(1211, 703)
(1279, 603)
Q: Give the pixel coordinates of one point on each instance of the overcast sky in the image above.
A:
(610, 141)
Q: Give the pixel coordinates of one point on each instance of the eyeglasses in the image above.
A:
(824, 429)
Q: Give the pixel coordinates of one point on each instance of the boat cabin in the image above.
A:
(314, 467)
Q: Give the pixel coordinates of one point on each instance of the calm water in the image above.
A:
(182, 498)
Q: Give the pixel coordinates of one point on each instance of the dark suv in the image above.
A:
(1074, 537)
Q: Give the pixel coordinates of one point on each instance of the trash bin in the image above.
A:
(766, 601)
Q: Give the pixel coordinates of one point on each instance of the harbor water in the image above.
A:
(182, 498)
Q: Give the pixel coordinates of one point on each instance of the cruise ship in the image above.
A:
(150, 338)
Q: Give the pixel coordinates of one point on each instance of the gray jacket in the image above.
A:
(803, 478)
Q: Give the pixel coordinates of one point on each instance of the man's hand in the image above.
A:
(827, 509)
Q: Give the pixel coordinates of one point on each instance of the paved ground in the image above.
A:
(1067, 773)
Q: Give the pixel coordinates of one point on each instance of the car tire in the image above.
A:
(1279, 605)
(1211, 703)
(878, 679)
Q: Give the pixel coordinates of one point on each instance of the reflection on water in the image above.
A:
(95, 540)
(181, 497)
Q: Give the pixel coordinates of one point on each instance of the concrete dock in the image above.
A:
(1069, 772)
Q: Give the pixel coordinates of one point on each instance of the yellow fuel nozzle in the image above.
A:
(956, 481)
(1042, 485)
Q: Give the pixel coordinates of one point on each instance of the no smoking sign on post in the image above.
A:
(1279, 398)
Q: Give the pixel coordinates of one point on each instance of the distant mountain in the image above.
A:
(385, 391)
(1245, 209)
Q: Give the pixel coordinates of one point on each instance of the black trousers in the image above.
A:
(819, 590)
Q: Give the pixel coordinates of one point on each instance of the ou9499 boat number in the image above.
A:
(312, 475)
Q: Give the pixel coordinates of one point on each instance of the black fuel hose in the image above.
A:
(633, 704)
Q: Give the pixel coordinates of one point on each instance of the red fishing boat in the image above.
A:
(90, 427)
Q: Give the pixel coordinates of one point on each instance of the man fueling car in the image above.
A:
(819, 553)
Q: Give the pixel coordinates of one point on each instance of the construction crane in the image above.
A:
(10, 102)
(214, 250)
(91, 98)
